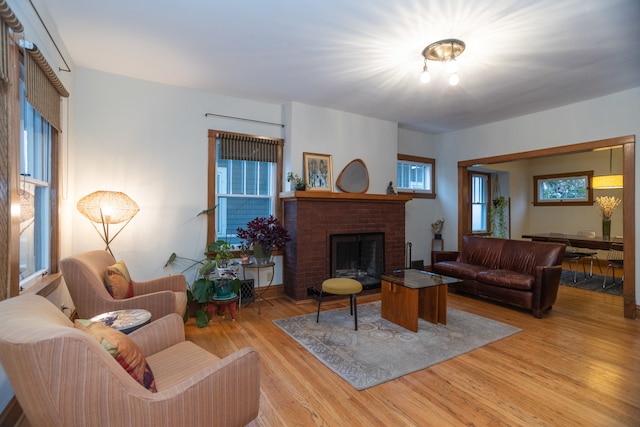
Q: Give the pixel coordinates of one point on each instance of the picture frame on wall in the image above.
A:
(318, 172)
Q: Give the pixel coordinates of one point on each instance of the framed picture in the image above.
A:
(318, 172)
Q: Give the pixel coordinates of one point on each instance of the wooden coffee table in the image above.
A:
(411, 294)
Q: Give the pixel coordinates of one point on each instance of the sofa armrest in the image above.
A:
(437, 256)
(175, 283)
(229, 389)
(160, 334)
(545, 290)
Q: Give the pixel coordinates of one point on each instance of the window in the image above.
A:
(479, 202)
(32, 94)
(35, 176)
(569, 189)
(246, 180)
(416, 175)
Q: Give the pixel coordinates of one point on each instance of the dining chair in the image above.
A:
(593, 255)
(571, 254)
(615, 259)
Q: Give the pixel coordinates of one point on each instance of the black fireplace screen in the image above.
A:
(358, 256)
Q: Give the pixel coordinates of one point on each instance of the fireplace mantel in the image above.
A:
(311, 217)
(335, 196)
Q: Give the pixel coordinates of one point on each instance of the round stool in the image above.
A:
(342, 286)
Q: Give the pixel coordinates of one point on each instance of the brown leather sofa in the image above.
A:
(521, 273)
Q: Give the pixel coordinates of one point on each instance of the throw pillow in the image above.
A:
(123, 349)
(118, 281)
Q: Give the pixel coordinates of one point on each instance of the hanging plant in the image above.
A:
(498, 217)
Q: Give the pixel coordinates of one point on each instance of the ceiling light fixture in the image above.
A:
(444, 51)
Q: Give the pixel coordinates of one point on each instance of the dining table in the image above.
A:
(580, 241)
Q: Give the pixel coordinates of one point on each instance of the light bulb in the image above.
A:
(454, 79)
(425, 77)
(452, 66)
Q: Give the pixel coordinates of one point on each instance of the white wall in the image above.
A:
(345, 137)
(420, 213)
(601, 118)
(150, 141)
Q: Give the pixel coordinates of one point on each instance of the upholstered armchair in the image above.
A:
(84, 275)
(62, 376)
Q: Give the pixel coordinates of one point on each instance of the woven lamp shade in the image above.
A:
(112, 207)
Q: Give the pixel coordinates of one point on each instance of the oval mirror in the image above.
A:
(354, 178)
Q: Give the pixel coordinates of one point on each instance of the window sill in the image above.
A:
(45, 286)
(418, 194)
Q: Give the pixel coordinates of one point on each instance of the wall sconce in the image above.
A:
(106, 208)
(606, 182)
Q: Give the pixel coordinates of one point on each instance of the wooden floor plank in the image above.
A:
(579, 365)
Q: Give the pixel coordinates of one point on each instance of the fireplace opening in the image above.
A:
(358, 256)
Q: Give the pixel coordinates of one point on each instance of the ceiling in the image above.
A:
(364, 57)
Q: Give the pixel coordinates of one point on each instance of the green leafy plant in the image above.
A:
(498, 217)
(297, 180)
(222, 251)
(202, 290)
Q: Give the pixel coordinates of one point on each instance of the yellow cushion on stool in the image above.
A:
(341, 286)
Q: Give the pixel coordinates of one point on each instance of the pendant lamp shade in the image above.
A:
(108, 207)
(605, 182)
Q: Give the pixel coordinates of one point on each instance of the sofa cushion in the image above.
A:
(525, 256)
(123, 349)
(457, 269)
(484, 251)
(506, 279)
(117, 280)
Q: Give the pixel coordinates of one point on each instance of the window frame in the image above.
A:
(488, 231)
(51, 278)
(212, 185)
(419, 194)
(563, 202)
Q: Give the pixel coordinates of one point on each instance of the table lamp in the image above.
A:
(106, 208)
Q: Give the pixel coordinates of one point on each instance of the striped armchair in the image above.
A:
(63, 377)
(84, 275)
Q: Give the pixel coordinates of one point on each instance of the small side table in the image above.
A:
(437, 244)
(223, 303)
(258, 267)
(125, 321)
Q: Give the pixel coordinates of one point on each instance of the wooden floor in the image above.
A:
(578, 366)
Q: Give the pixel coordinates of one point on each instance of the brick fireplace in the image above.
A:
(311, 217)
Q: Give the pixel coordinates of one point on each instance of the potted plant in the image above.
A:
(264, 235)
(245, 253)
(498, 217)
(296, 181)
(203, 287)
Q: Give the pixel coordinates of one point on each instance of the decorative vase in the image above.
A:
(261, 254)
(245, 259)
(606, 228)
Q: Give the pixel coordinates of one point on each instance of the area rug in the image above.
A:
(380, 350)
(591, 283)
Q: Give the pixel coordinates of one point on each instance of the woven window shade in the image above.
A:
(43, 88)
(7, 21)
(244, 147)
